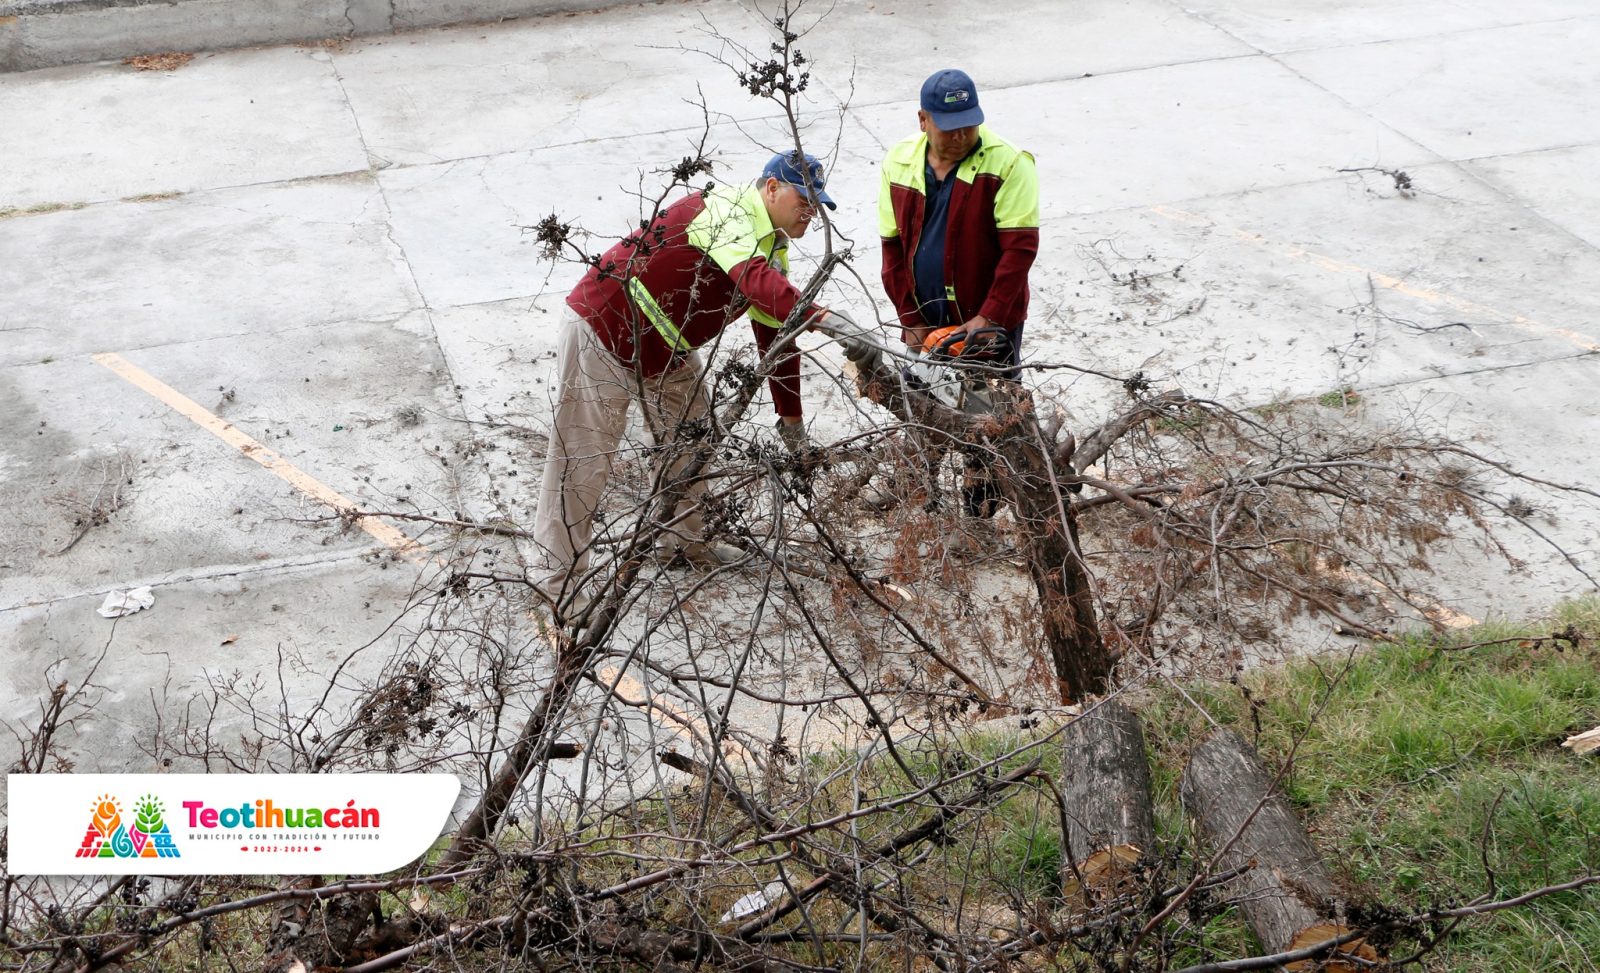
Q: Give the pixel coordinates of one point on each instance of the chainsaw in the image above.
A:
(943, 367)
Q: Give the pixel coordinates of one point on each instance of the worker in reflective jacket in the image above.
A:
(629, 333)
(958, 211)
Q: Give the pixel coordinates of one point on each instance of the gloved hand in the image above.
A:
(857, 346)
(837, 320)
(831, 322)
(860, 350)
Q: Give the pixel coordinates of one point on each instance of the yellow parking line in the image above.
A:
(635, 693)
(1439, 614)
(251, 448)
(1333, 265)
(1442, 614)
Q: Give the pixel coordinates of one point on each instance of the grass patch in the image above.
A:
(1339, 398)
(1411, 754)
(38, 209)
(1408, 755)
(1428, 772)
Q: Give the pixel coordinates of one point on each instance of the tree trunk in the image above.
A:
(1286, 894)
(1106, 786)
(1026, 478)
(1023, 471)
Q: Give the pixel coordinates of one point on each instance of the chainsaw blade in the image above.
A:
(951, 386)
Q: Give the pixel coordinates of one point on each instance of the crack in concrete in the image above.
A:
(283, 566)
(1488, 369)
(399, 248)
(387, 320)
(143, 199)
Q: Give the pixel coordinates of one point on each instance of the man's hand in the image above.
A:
(860, 351)
(857, 345)
(974, 323)
(977, 343)
(914, 337)
(834, 323)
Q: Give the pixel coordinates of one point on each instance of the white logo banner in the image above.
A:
(223, 824)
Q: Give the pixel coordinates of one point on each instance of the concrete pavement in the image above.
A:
(326, 247)
(46, 33)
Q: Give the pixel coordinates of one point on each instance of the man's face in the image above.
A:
(787, 207)
(951, 146)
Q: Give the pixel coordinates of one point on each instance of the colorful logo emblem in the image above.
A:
(146, 836)
(956, 97)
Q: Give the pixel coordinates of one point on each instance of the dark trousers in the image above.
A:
(979, 498)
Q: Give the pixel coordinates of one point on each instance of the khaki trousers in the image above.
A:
(591, 414)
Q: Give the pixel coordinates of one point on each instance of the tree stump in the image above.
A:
(1106, 786)
(1286, 895)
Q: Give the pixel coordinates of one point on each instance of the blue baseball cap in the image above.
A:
(950, 97)
(782, 168)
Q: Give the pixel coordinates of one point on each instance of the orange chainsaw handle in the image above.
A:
(952, 342)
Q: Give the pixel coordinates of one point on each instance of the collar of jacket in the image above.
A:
(747, 198)
(911, 155)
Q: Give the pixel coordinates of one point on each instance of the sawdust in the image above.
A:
(171, 61)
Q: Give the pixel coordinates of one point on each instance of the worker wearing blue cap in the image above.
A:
(958, 211)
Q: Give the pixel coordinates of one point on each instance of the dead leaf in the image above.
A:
(171, 61)
(1584, 742)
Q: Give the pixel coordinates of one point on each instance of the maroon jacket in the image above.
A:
(703, 262)
(991, 234)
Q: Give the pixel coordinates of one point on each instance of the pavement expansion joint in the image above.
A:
(278, 567)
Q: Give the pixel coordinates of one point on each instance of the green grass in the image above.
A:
(1342, 398)
(1410, 754)
(1405, 756)
(1403, 751)
(1026, 854)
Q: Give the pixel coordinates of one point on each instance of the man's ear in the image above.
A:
(922, 120)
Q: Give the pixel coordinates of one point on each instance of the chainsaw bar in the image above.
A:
(942, 368)
(950, 384)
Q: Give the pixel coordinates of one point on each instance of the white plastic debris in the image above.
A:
(753, 902)
(120, 603)
(1584, 742)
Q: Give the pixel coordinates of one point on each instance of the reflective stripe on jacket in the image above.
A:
(706, 259)
(991, 238)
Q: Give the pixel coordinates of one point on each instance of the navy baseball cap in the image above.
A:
(951, 98)
(782, 168)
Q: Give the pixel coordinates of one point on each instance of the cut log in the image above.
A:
(1106, 786)
(1286, 893)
